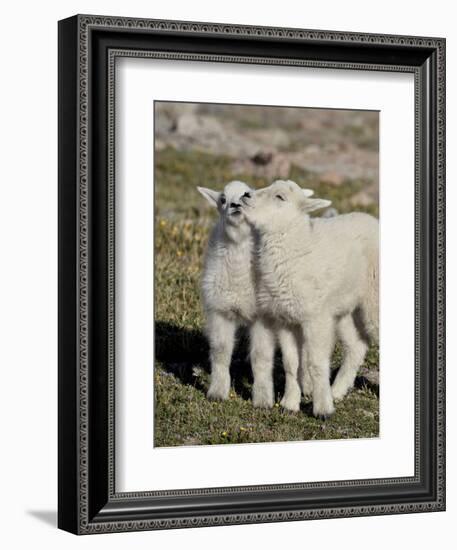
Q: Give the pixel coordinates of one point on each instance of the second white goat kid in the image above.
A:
(314, 275)
(229, 301)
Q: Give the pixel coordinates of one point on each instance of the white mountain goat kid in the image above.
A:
(316, 276)
(229, 301)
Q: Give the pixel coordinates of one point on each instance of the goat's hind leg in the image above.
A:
(355, 350)
(221, 336)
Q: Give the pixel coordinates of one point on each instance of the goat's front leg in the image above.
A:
(262, 354)
(319, 337)
(290, 360)
(221, 336)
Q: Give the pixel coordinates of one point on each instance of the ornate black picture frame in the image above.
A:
(88, 501)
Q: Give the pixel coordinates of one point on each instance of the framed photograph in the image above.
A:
(251, 274)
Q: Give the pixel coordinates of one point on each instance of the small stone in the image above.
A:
(312, 150)
(330, 213)
(361, 199)
(333, 178)
(262, 158)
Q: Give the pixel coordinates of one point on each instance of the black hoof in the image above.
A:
(323, 416)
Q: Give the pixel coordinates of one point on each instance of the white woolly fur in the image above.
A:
(316, 278)
(229, 300)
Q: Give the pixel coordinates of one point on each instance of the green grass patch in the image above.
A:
(184, 416)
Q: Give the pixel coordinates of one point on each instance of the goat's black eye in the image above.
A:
(223, 200)
(279, 197)
(247, 195)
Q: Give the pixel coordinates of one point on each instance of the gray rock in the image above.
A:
(330, 213)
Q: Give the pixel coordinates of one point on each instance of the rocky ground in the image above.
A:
(335, 146)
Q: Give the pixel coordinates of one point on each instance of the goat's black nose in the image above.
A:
(235, 205)
(247, 195)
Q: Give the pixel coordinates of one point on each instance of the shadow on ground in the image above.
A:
(185, 354)
(45, 516)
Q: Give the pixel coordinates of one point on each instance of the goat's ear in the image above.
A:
(211, 196)
(306, 192)
(309, 205)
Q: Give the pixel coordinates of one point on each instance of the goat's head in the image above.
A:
(276, 207)
(228, 202)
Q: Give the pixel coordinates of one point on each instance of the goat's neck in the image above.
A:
(236, 236)
(276, 250)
